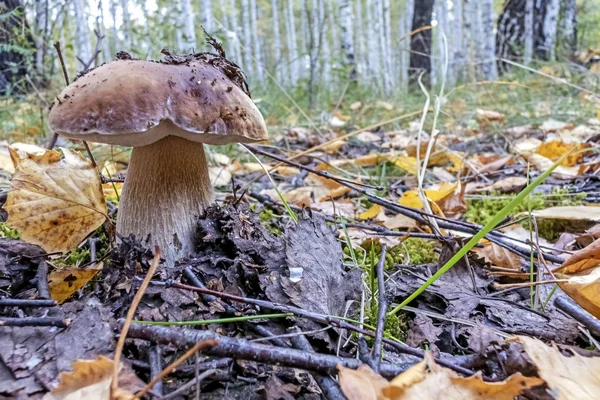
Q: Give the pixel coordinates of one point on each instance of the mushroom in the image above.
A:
(166, 111)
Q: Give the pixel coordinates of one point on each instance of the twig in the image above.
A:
(197, 380)
(27, 303)
(242, 349)
(41, 277)
(323, 319)
(88, 64)
(154, 359)
(130, 313)
(197, 347)
(328, 385)
(381, 309)
(578, 314)
(364, 354)
(62, 62)
(35, 321)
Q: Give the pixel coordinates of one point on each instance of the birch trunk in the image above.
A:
(82, 33)
(256, 42)
(346, 26)
(437, 59)
(208, 20)
(126, 26)
(550, 28)
(40, 35)
(405, 30)
(189, 32)
(235, 33)
(569, 26)
(247, 38)
(147, 34)
(292, 45)
(276, 40)
(388, 77)
(360, 56)
(373, 44)
(528, 48)
(115, 34)
(489, 67)
(325, 28)
(106, 53)
(456, 45)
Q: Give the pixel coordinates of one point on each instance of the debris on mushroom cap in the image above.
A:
(204, 97)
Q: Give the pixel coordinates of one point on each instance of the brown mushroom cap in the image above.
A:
(122, 103)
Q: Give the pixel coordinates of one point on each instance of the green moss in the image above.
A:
(7, 232)
(421, 251)
(78, 256)
(481, 211)
(268, 219)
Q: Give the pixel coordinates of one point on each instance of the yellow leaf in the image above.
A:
(586, 258)
(410, 198)
(91, 380)
(584, 288)
(54, 202)
(458, 162)
(557, 148)
(407, 163)
(112, 190)
(66, 281)
(569, 378)
(372, 212)
(361, 384)
(499, 256)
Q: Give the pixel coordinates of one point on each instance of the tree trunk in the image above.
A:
(360, 56)
(456, 50)
(347, 29)
(276, 41)
(550, 29)
(126, 26)
(324, 28)
(256, 42)
(247, 38)
(528, 41)
(420, 43)
(292, 45)
(83, 48)
(40, 37)
(373, 42)
(106, 53)
(115, 35)
(441, 29)
(208, 20)
(235, 33)
(489, 67)
(189, 31)
(13, 63)
(569, 26)
(405, 30)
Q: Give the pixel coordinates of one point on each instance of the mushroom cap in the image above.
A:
(124, 102)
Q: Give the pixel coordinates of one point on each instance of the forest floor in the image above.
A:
(344, 255)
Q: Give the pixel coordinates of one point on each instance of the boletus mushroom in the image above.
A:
(166, 111)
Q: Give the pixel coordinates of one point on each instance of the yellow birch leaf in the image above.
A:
(372, 212)
(584, 288)
(63, 282)
(53, 202)
(410, 198)
(407, 163)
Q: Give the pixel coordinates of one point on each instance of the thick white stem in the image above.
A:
(167, 187)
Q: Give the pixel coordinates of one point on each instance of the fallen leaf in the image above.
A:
(487, 116)
(557, 148)
(448, 197)
(407, 163)
(499, 256)
(355, 106)
(219, 176)
(90, 380)
(63, 282)
(287, 171)
(584, 288)
(54, 202)
(511, 184)
(371, 213)
(362, 383)
(552, 125)
(569, 378)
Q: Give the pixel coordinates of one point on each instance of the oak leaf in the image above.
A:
(53, 202)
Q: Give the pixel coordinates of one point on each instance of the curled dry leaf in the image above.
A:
(427, 380)
(53, 202)
(499, 256)
(90, 380)
(569, 378)
(63, 282)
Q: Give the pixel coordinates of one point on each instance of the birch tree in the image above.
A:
(568, 25)
(437, 61)
(386, 44)
(528, 35)
(360, 55)
(82, 32)
(208, 20)
(247, 38)
(292, 45)
(456, 45)
(373, 44)
(550, 28)
(189, 31)
(276, 39)
(406, 20)
(489, 68)
(325, 27)
(235, 32)
(126, 25)
(347, 25)
(420, 43)
(115, 33)
(256, 42)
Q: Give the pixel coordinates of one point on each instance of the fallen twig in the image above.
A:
(155, 361)
(578, 314)
(41, 277)
(381, 309)
(35, 321)
(27, 303)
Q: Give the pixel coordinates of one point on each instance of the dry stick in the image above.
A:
(154, 359)
(27, 303)
(381, 310)
(328, 385)
(420, 215)
(35, 321)
(578, 314)
(244, 350)
(197, 380)
(41, 277)
(323, 319)
(198, 346)
(130, 313)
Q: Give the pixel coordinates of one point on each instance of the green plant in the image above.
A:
(7, 232)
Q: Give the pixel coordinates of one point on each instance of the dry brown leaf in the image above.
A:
(64, 282)
(90, 380)
(511, 184)
(552, 125)
(219, 176)
(484, 117)
(499, 256)
(287, 171)
(362, 383)
(54, 202)
(569, 378)
(584, 288)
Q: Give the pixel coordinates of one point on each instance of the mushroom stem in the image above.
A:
(167, 187)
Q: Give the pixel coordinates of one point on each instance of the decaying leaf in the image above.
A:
(447, 197)
(584, 288)
(557, 148)
(507, 185)
(499, 256)
(371, 213)
(54, 202)
(569, 378)
(90, 380)
(427, 380)
(66, 281)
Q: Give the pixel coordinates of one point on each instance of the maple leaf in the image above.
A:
(53, 202)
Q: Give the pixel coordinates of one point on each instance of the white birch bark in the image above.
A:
(276, 41)
(235, 33)
(256, 41)
(315, 29)
(39, 34)
(147, 35)
(332, 24)
(347, 28)
(373, 43)
(489, 67)
(325, 28)
(569, 25)
(528, 40)
(304, 39)
(83, 47)
(406, 28)
(360, 57)
(106, 53)
(388, 77)
(292, 45)
(126, 26)
(550, 28)
(208, 20)
(189, 30)
(247, 38)
(471, 17)
(115, 34)
(441, 29)
(456, 52)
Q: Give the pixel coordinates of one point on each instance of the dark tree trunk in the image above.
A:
(510, 39)
(17, 49)
(420, 43)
